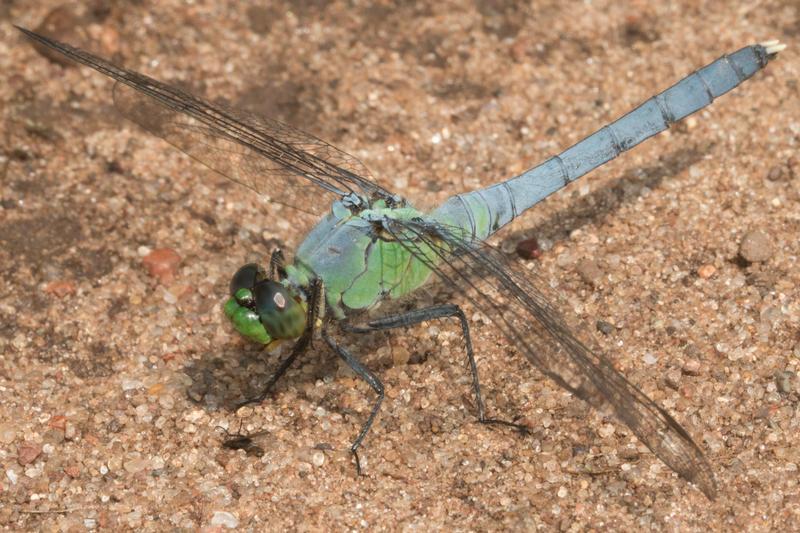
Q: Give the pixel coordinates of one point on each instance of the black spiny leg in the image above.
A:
(277, 264)
(373, 381)
(315, 301)
(413, 317)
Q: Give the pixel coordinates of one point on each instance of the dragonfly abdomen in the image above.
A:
(484, 211)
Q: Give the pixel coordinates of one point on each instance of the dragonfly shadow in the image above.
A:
(223, 378)
(594, 208)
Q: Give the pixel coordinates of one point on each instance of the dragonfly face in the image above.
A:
(263, 310)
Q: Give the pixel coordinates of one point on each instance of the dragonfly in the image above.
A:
(371, 245)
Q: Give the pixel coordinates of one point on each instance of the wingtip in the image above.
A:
(708, 487)
(703, 478)
(30, 34)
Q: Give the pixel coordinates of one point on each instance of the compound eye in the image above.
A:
(279, 311)
(247, 277)
(272, 297)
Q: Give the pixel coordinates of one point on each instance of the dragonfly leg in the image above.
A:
(413, 317)
(302, 344)
(371, 379)
(277, 265)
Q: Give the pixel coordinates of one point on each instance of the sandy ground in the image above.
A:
(117, 383)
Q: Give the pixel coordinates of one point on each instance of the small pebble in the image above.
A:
(135, 464)
(606, 430)
(28, 452)
(195, 415)
(778, 173)
(691, 367)
(565, 259)
(318, 458)
(224, 519)
(673, 378)
(755, 247)
(130, 384)
(58, 422)
(629, 454)
(7, 433)
(589, 271)
(706, 271)
(606, 328)
(400, 356)
(785, 381)
(60, 288)
(168, 296)
(53, 436)
(166, 401)
(650, 359)
(162, 263)
(529, 248)
(70, 431)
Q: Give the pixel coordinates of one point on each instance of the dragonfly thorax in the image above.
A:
(262, 309)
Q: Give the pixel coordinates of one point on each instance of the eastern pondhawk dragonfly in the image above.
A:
(373, 245)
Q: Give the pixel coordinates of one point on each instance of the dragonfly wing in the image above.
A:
(223, 154)
(270, 157)
(521, 305)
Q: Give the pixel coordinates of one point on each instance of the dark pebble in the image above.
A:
(785, 381)
(529, 248)
(778, 173)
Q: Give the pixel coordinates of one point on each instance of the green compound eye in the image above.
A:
(266, 313)
(244, 319)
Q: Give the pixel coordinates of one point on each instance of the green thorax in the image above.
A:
(358, 261)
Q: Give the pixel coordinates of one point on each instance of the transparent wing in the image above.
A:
(287, 165)
(516, 302)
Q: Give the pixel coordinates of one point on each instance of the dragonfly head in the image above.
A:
(264, 310)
